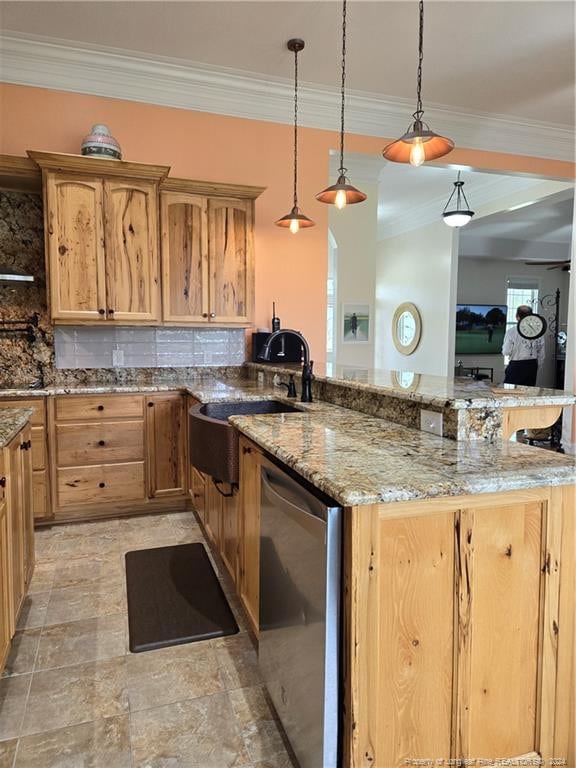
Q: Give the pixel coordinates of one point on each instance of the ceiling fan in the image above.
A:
(564, 265)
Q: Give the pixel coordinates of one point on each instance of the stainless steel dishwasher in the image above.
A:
(299, 613)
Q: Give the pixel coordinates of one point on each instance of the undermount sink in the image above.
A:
(214, 441)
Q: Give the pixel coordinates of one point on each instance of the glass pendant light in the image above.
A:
(419, 143)
(342, 193)
(295, 220)
(458, 216)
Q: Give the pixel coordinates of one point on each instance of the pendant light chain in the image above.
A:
(296, 128)
(419, 110)
(343, 87)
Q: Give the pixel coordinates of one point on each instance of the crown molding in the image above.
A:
(61, 65)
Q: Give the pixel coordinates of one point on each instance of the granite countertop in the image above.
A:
(441, 391)
(11, 422)
(358, 459)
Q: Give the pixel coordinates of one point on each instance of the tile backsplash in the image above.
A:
(117, 347)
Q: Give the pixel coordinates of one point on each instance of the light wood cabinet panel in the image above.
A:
(249, 531)
(40, 495)
(75, 248)
(213, 516)
(231, 260)
(17, 497)
(457, 644)
(38, 438)
(166, 431)
(99, 443)
(230, 531)
(100, 484)
(87, 407)
(131, 236)
(198, 493)
(498, 587)
(6, 619)
(184, 257)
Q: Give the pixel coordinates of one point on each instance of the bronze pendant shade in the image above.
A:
(419, 143)
(343, 192)
(295, 220)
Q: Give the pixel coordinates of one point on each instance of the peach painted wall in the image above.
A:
(290, 269)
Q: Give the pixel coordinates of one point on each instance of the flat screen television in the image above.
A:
(480, 329)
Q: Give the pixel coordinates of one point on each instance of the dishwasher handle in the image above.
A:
(314, 524)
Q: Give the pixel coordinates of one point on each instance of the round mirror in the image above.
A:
(406, 328)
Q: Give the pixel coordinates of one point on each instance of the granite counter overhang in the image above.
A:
(360, 460)
(470, 410)
(12, 420)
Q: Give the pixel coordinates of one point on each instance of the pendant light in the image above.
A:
(419, 143)
(342, 193)
(459, 216)
(295, 220)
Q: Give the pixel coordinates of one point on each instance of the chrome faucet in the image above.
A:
(307, 364)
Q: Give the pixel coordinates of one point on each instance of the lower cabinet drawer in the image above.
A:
(99, 443)
(84, 407)
(100, 484)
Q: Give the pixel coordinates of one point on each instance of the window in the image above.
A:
(520, 291)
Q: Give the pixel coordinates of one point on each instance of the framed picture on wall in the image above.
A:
(355, 323)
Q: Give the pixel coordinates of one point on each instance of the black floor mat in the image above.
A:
(174, 597)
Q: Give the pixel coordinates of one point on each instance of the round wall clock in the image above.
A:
(532, 327)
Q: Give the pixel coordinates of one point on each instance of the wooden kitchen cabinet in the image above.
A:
(166, 434)
(184, 244)
(249, 531)
(458, 640)
(230, 253)
(229, 540)
(6, 619)
(41, 503)
(16, 534)
(198, 493)
(207, 253)
(101, 222)
(131, 251)
(213, 515)
(74, 226)
(18, 469)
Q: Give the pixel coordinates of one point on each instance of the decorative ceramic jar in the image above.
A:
(100, 143)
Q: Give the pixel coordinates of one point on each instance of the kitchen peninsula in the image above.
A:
(458, 561)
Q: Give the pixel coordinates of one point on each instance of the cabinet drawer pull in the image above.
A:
(101, 311)
(212, 314)
(24, 446)
(2, 482)
(29, 445)
(100, 408)
(204, 314)
(62, 250)
(101, 485)
(246, 450)
(110, 311)
(101, 442)
(150, 405)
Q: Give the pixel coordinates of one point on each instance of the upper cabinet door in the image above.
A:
(132, 269)
(231, 261)
(75, 248)
(184, 257)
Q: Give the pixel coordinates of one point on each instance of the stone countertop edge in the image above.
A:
(431, 482)
(11, 422)
(496, 400)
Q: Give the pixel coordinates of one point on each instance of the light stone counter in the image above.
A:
(11, 422)
(357, 459)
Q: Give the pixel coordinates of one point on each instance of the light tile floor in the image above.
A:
(73, 696)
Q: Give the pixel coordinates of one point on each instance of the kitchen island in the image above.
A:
(458, 586)
(458, 557)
